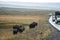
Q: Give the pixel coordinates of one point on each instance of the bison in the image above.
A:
(18, 28)
(32, 25)
(21, 29)
(15, 29)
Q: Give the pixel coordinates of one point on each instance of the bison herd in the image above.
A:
(21, 28)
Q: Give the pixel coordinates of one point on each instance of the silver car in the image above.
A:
(56, 17)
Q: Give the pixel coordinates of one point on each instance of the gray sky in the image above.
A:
(36, 5)
(31, 1)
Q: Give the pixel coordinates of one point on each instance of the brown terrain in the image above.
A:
(15, 16)
(40, 32)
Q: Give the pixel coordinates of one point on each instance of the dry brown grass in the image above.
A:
(18, 19)
(40, 32)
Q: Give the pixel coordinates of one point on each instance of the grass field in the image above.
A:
(40, 32)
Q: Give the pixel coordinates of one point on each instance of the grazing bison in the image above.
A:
(21, 29)
(18, 28)
(15, 29)
(32, 25)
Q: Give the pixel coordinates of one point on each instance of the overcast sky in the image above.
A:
(35, 1)
(39, 4)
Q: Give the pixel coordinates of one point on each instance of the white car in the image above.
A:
(53, 18)
(56, 17)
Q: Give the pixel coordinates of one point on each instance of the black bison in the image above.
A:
(18, 28)
(21, 29)
(32, 25)
(15, 29)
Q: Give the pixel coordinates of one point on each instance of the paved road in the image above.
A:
(55, 35)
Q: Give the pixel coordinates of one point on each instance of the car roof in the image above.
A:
(57, 12)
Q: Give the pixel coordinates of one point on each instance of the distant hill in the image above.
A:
(20, 11)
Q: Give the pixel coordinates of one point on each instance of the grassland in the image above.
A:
(40, 32)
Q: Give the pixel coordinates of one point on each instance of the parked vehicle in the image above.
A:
(56, 17)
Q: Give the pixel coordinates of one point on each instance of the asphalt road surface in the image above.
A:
(55, 35)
